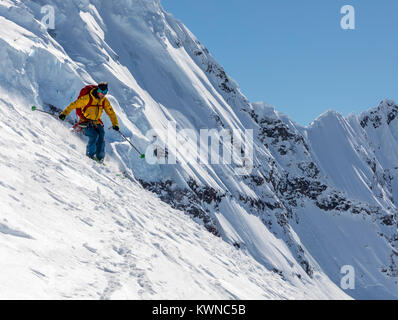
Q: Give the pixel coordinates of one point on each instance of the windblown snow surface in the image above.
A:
(313, 200)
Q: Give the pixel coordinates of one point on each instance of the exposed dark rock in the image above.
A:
(392, 115)
(257, 180)
(220, 73)
(236, 245)
(177, 44)
(304, 262)
(377, 122)
(279, 272)
(388, 220)
(278, 131)
(337, 201)
(333, 201)
(296, 187)
(372, 165)
(374, 119)
(259, 204)
(309, 169)
(218, 120)
(364, 121)
(392, 270)
(283, 150)
(254, 115)
(224, 86)
(275, 129)
(192, 201)
(205, 193)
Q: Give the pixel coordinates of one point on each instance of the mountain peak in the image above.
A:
(386, 103)
(385, 113)
(328, 116)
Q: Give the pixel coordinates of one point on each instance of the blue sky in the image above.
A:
(295, 55)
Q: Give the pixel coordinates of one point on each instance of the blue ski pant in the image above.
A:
(96, 141)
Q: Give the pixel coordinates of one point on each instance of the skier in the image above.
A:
(90, 105)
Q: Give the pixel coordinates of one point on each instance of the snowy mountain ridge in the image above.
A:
(314, 198)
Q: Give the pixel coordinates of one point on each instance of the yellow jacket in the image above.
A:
(94, 111)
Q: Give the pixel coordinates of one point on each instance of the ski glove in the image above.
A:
(62, 117)
(116, 128)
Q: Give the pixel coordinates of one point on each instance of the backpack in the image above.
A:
(80, 111)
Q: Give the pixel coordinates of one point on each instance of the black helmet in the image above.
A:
(103, 87)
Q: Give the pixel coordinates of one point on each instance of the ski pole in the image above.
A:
(142, 155)
(34, 108)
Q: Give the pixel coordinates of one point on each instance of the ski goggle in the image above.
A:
(102, 91)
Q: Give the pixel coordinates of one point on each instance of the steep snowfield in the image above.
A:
(71, 228)
(279, 223)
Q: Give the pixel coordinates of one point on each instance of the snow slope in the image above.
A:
(73, 229)
(279, 224)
